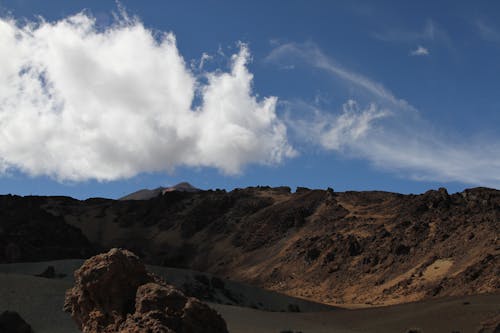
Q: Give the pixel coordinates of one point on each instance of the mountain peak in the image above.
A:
(183, 187)
(146, 194)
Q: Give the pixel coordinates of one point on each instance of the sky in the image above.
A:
(102, 98)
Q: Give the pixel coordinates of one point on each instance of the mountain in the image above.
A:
(146, 194)
(373, 247)
(181, 187)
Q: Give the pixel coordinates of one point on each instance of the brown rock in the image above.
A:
(114, 293)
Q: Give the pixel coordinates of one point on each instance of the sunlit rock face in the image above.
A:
(113, 292)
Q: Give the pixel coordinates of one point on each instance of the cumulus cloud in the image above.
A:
(386, 130)
(78, 103)
(420, 51)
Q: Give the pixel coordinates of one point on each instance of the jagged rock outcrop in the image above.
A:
(113, 292)
(11, 322)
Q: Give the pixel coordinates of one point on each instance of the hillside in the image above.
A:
(338, 248)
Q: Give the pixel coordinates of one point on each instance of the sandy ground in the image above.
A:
(248, 296)
(437, 316)
(40, 301)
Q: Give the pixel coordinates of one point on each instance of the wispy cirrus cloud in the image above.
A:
(79, 102)
(311, 54)
(386, 130)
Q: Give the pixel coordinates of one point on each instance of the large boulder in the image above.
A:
(113, 292)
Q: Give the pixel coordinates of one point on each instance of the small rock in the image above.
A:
(50, 273)
(11, 322)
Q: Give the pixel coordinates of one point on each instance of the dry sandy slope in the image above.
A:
(40, 300)
(245, 295)
(434, 316)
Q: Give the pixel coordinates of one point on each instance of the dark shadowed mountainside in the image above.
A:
(338, 248)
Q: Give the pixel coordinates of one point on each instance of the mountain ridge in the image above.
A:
(333, 247)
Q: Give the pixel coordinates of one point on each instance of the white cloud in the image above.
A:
(388, 131)
(335, 131)
(419, 51)
(311, 54)
(79, 103)
(204, 58)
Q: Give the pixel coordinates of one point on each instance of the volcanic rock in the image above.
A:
(113, 292)
(11, 322)
(50, 273)
(332, 247)
(32, 233)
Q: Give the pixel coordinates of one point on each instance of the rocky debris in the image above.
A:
(491, 325)
(269, 224)
(113, 292)
(11, 322)
(211, 289)
(302, 190)
(50, 273)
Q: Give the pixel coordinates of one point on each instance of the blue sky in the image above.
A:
(397, 96)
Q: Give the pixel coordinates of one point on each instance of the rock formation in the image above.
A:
(113, 292)
(333, 247)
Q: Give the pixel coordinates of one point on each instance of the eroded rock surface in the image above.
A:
(113, 292)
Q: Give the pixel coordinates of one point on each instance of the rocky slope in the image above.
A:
(28, 232)
(338, 248)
